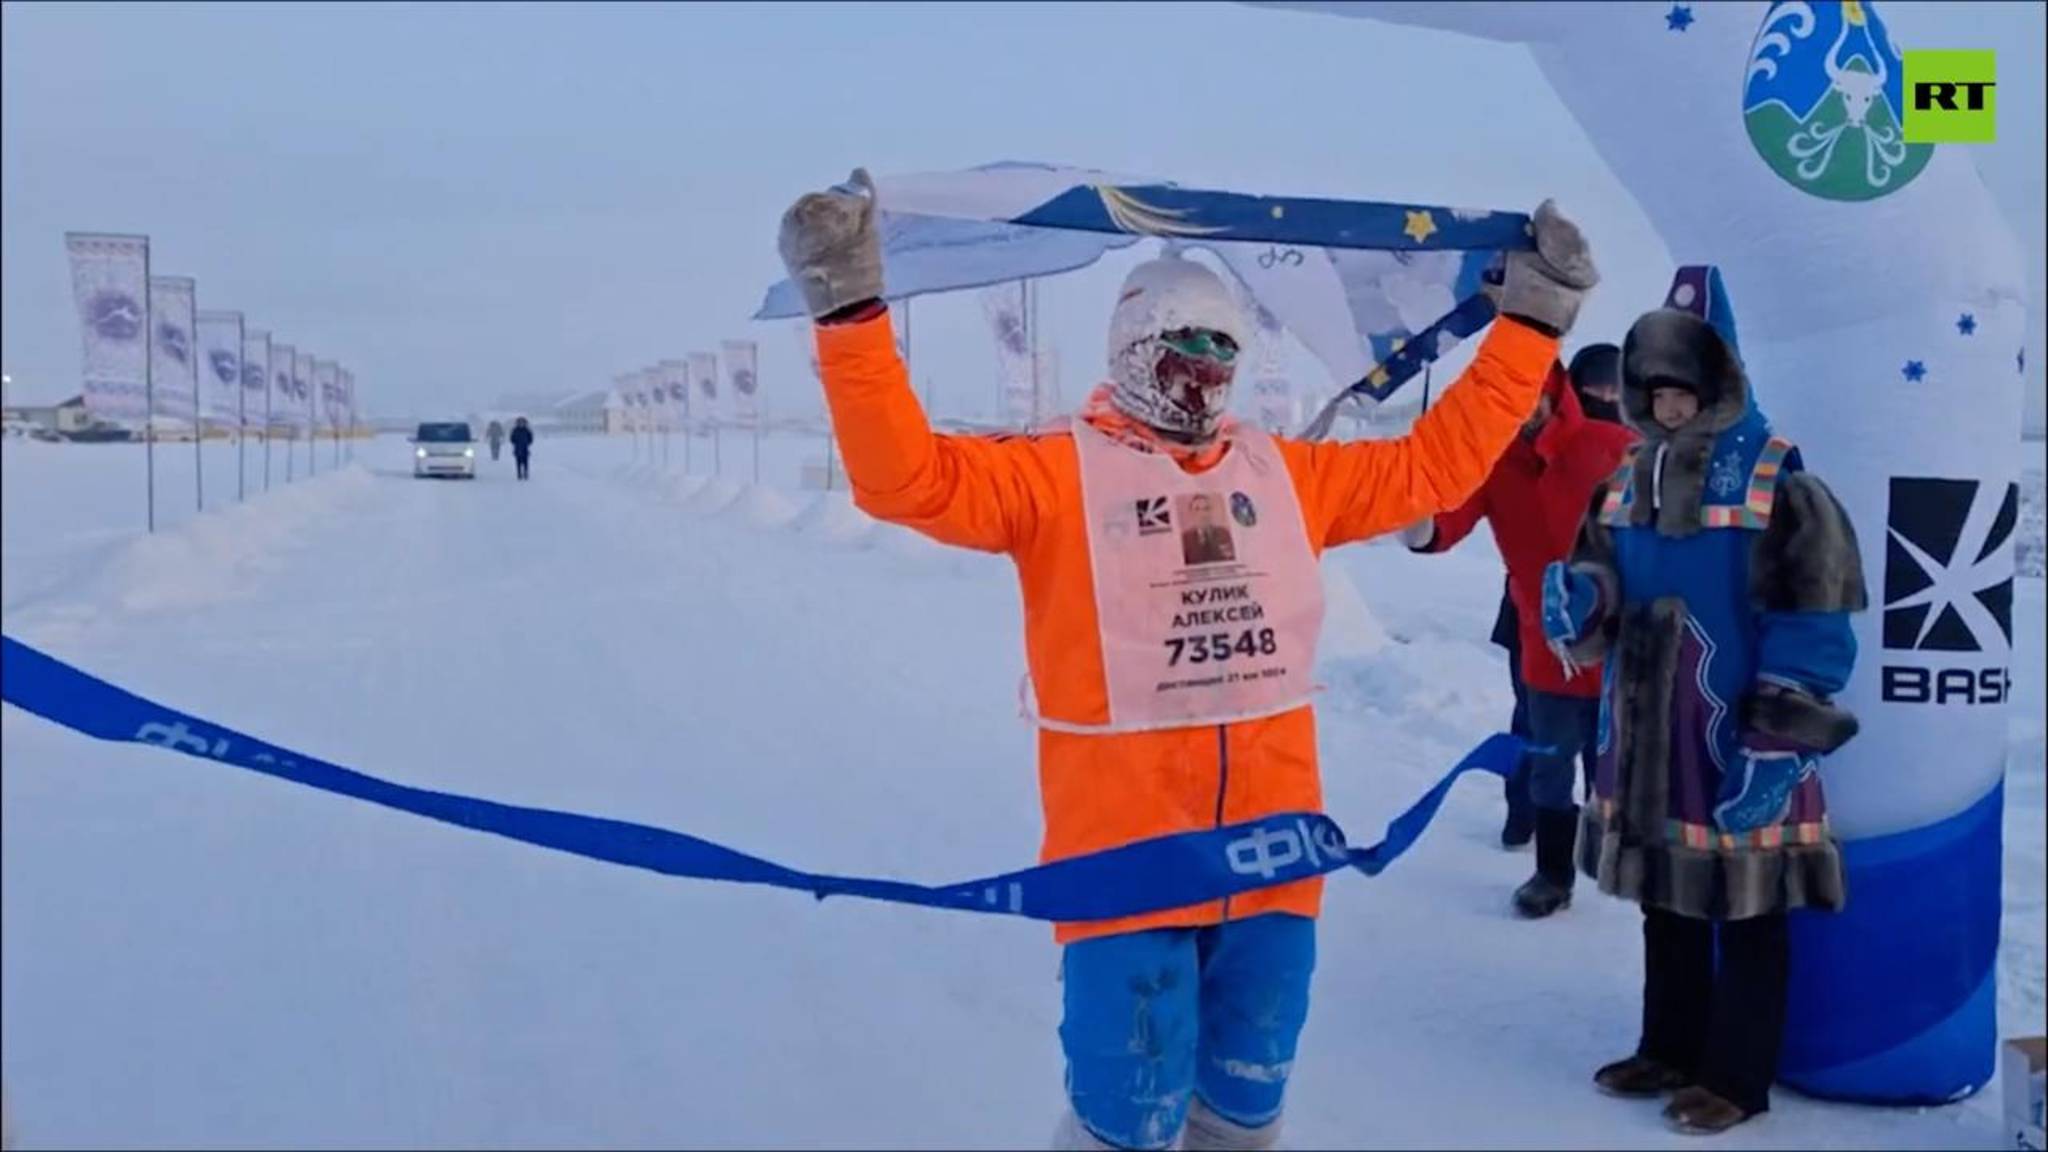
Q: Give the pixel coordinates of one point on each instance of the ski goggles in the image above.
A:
(1201, 344)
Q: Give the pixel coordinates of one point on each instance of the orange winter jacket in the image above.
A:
(1021, 496)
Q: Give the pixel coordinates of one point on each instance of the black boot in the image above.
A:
(1550, 889)
(1520, 826)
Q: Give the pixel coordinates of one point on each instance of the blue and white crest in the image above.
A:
(1726, 477)
(226, 365)
(252, 376)
(174, 341)
(114, 315)
(1824, 100)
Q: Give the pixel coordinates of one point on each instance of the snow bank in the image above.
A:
(681, 489)
(764, 507)
(224, 555)
(1350, 630)
(833, 518)
(713, 497)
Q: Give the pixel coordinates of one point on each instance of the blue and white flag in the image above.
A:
(1374, 290)
(220, 367)
(742, 378)
(283, 396)
(173, 346)
(110, 285)
(327, 383)
(704, 372)
(255, 378)
(302, 390)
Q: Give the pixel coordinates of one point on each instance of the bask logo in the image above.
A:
(1948, 575)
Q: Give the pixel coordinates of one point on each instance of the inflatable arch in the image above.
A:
(1881, 304)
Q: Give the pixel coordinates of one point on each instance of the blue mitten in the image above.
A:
(1757, 789)
(1569, 601)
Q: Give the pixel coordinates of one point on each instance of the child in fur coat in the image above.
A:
(1714, 576)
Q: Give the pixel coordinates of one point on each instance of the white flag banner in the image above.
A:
(173, 355)
(302, 390)
(672, 377)
(282, 396)
(1003, 304)
(327, 386)
(110, 284)
(220, 367)
(704, 373)
(659, 409)
(255, 378)
(742, 378)
(636, 399)
(349, 411)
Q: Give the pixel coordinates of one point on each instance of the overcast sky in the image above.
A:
(464, 200)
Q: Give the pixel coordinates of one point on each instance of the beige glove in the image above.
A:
(831, 246)
(1546, 285)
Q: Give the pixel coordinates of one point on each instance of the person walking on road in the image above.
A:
(522, 445)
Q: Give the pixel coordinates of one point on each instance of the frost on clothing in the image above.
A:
(1022, 496)
(1170, 295)
(1156, 1020)
(1724, 570)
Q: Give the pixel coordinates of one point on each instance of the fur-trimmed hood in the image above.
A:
(1690, 339)
(1671, 344)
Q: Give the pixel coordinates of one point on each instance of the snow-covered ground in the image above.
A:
(198, 956)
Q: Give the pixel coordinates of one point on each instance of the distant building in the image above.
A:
(63, 419)
(584, 412)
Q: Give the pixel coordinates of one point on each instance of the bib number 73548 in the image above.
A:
(1221, 646)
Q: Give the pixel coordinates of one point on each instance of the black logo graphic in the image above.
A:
(1947, 565)
(1153, 516)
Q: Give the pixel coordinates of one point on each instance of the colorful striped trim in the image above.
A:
(1621, 491)
(1707, 838)
(1755, 511)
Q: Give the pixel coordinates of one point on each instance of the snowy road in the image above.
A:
(198, 956)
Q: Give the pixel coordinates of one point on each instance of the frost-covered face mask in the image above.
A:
(1178, 383)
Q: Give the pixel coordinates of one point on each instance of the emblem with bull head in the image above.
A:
(1807, 118)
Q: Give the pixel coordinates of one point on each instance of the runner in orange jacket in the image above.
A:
(1171, 602)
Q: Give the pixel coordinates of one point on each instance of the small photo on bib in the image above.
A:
(1205, 535)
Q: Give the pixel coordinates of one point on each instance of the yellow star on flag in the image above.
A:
(1420, 226)
(1378, 378)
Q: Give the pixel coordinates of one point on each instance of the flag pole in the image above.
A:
(241, 412)
(198, 424)
(149, 383)
(269, 362)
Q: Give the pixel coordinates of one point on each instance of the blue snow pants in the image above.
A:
(1155, 1016)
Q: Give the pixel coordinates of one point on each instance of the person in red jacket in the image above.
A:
(1534, 499)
